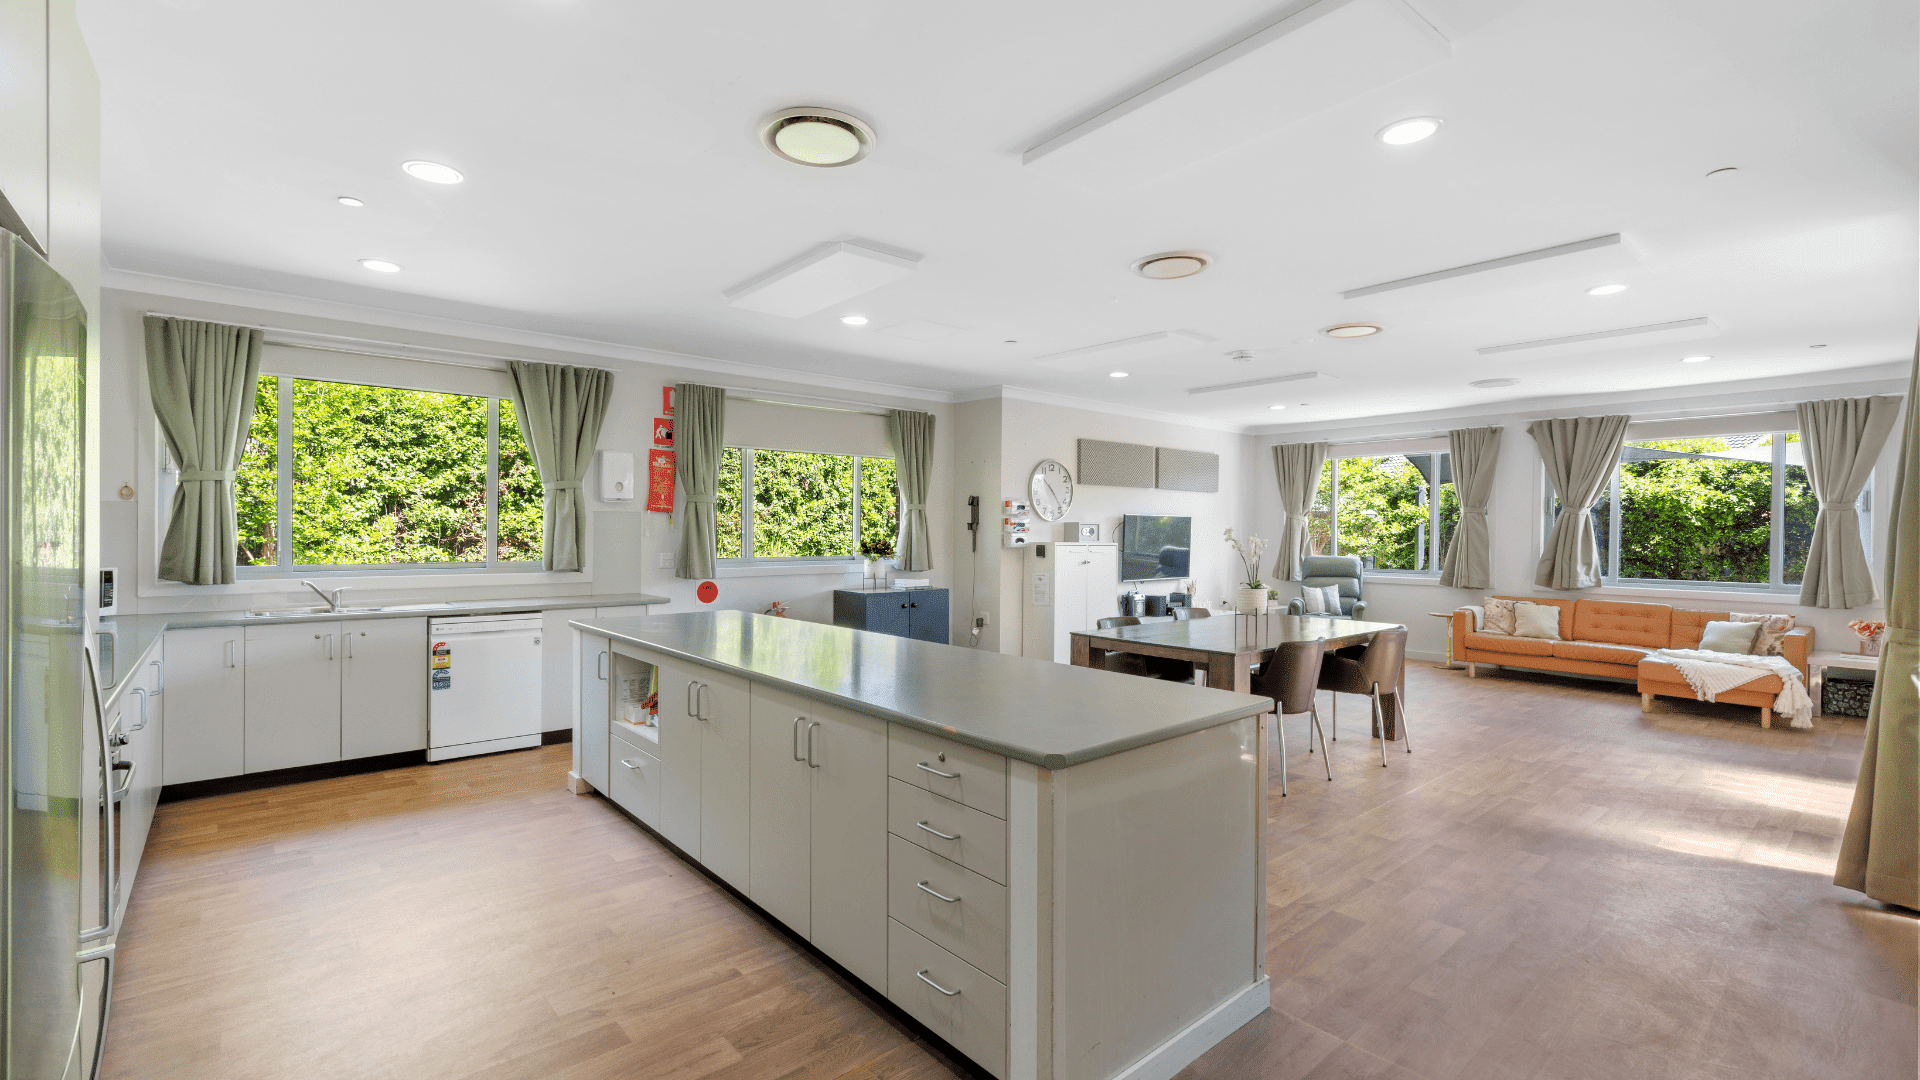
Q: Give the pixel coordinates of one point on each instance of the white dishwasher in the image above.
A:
(483, 685)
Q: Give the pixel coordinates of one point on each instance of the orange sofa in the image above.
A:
(1610, 638)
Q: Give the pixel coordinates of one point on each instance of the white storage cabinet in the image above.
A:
(1070, 587)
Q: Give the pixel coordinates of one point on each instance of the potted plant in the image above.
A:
(1869, 633)
(1251, 597)
(876, 550)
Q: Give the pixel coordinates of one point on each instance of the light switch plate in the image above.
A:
(666, 560)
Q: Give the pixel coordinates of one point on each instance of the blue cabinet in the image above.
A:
(920, 614)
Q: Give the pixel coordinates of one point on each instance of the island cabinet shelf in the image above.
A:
(1058, 871)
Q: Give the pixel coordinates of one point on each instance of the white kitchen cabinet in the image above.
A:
(680, 751)
(383, 687)
(206, 686)
(849, 840)
(779, 823)
(722, 704)
(593, 685)
(1069, 587)
(138, 730)
(293, 695)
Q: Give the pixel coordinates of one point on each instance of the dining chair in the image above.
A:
(1151, 667)
(1292, 679)
(1186, 613)
(1381, 669)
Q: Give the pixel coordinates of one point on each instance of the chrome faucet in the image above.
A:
(333, 601)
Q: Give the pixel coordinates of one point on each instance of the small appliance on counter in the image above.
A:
(1156, 604)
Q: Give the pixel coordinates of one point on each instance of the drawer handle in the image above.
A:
(937, 832)
(937, 896)
(797, 756)
(937, 772)
(630, 763)
(922, 976)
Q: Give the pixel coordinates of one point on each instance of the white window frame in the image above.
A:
(1429, 547)
(745, 522)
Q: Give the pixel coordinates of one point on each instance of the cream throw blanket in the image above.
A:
(1713, 673)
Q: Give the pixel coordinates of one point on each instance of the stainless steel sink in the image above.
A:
(322, 609)
(281, 613)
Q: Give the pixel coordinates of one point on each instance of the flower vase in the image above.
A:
(1249, 601)
(1870, 646)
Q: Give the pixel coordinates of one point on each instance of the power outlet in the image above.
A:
(979, 618)
(666, 560)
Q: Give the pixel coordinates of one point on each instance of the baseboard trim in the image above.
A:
(326, 770)
(1167, 1059)
(550, 738)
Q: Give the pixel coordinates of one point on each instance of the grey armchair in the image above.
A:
(1319, 571)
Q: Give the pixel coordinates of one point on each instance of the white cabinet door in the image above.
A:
(138, 787)
(206, 685)
(1102, 584)
(293, 695)
(383, 687)
(778, 817)
(680, 739)
(723, 706)
(595, 690)
(1070, 577)
(849, 845)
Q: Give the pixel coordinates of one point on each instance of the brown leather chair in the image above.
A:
(1151, 667)
(1381, 669)
(1292, 678)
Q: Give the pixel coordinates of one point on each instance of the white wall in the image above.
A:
(625, 542)
(1516, 522)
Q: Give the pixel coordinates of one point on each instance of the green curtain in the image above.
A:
(202, 377)
(1469, 559)
(699, 431)
(911, 434)
(1296, 468)
(1580, 453)
(1880, 852)
(561, 410)
(1842, 439)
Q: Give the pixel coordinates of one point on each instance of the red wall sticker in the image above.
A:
(708, 592)
(666, 400)
(660, 481)
(663, 431)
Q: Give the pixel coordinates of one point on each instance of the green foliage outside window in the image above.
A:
(520, 505)
(803, 505)
(727, 505)
(1384, 512)
(879, 507)
(258, 479)
(1708, 519)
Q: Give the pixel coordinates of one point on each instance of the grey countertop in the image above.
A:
(134, 634)
(1048, 714)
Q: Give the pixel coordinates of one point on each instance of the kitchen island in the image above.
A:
(1059, 871)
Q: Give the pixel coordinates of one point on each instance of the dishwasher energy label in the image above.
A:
(441, 666)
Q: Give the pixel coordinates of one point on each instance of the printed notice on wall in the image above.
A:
(660, 466)
(1042, 591)
(441, 666)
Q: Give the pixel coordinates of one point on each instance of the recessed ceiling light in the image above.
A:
(854, 320)
(1607, 289)
(1171, 264)
(348, 200)
(1352, 330)
(1488, 384)
(432, 172)
(1116, 374)
(816, 137)
(381, 266)
(1695, 359)
(1411, 130)
(1276, 408)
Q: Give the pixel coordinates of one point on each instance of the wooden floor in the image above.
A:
(1552, 886)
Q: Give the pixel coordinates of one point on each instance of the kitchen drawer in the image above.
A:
(633, 779)
(973, 926)
(920, 758)
(982, 843)
(974, 1019)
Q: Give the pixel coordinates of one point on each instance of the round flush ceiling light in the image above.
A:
(1695, 359)
(1172, 264)
(1411, 130)
(1276, 408)
(854, 320)
(816, 137)
(348, 200)
(1607, 290)
(432, 172)
(1352, 330)
(381, 266)
(1488, 384)
(1116, 374)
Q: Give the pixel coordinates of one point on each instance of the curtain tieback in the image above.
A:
(1823, 506)
(207, 474)
(562, 485)
(913, 506)
(1481, 510)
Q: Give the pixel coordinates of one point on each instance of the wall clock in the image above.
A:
(1051, 490)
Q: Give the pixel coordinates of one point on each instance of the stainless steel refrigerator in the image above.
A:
(58, 889)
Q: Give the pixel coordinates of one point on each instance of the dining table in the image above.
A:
(1228, 647)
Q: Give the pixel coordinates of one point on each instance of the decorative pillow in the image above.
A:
(1733, 637)
(1500, 616)
(1535, 620)
(1773, 631)
(1320, 601)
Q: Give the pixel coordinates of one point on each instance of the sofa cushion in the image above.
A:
(1507, 643)
(1536, 621)
(1499, 615)
(1660, 677)
(1687, 625)
(1649, 625)
(1599, 652)
(1729, 637)
(1566, 612)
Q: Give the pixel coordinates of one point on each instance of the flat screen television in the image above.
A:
(1155, 547)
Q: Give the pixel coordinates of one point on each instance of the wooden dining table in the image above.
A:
(1228, 646)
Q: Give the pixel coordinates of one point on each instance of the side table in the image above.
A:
(1448, 663)
(1819, 662)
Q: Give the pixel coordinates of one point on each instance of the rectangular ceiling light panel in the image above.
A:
(1311, 60)
(820, 279)
(1296, 377)
(1144, 347)
(1584, 258)
(1628, 337)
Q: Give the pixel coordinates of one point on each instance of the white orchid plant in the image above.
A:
(1249, 551)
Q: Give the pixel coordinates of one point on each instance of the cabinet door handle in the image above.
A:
(130, 767)
(601, 668)
(937, 895)
(922, 976)
(811, 764)
(691, 683)
(349, 638)
(229, 654)
(937, 832)
(937, 772)
(630, 763)
(700, 703)
(797, 756)
(159, 677)
(142, 691)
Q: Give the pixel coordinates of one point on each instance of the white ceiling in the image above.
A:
(616, 187)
